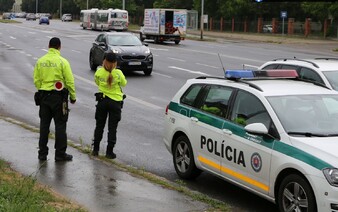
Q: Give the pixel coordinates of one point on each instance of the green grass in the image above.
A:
(20, 193)
(6, 21)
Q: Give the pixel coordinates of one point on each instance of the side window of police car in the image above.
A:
(249, 109)
(216, 100)
(309, 74)
(190, 96)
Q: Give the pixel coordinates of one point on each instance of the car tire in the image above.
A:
(141, 37)
(183, 158)
(147, 72)
(92, 64)
(177, 41)
(287, 196)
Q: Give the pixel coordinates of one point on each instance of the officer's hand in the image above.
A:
(72, 101)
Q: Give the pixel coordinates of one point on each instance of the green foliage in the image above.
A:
(227, 9)
(6, 5)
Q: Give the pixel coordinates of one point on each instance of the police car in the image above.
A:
(276, 137)
(321, 70)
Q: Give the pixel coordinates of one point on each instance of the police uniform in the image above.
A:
(110, 100)
(54, 80)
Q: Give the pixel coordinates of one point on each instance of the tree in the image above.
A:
(6, 5)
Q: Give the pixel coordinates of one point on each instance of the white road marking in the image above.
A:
(172, 58)
(190, 71)
(139, 101)
(215, 67)
(163, 75)
(12, 37)
(76, 51)
(45, 50)
(152, 48)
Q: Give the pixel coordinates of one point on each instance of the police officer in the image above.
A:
(54, 80)
(110, 99)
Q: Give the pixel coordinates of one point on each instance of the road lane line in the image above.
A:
(215, 67)
(190, 71)
(139, 101)
(14, 38)
(76, 51)
(163, 75)
(172, 58)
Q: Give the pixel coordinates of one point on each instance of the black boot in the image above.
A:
(109, 153)
(96, 148)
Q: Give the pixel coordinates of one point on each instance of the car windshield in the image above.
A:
(307, 115)
(332, 77)
(124, 40)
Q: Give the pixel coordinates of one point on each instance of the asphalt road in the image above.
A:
(140, 131)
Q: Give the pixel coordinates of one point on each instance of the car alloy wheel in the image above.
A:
(295, 194)
(184, 159)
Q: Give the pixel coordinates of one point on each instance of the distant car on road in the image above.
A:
(267, 28)
(67, 17)
(131, 54)
(30, 16)
(44, 20)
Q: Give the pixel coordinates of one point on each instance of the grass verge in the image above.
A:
(20, 193)
(6, 21)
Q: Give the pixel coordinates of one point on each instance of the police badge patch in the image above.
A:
(256, 162)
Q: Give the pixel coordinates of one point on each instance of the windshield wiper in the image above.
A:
(308, 134)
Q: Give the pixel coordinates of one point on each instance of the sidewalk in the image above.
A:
(95, 184)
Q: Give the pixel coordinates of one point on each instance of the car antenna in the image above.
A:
(221, 62)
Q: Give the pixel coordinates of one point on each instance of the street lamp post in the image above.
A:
(202, 19)
(36, 6)
(123, 4)
(60, 9)
(87, 4)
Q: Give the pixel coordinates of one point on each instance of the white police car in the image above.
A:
(321, 70)
(276, 137)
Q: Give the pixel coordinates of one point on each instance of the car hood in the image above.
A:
(130, 49)
(325, 148)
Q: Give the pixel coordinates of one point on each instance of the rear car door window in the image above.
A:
(216, 100)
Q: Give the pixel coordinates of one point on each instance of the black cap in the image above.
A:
(110, 56)
(55, 43)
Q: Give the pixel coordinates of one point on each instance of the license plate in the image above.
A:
(134, 63)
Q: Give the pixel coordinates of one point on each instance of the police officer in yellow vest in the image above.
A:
(54, 81)
(110, 100)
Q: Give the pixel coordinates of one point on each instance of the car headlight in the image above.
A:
(115, 51)
(147, 51)
(331, 175)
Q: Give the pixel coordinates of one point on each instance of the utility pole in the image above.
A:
(123, 4)
(60, 9)
(36, 6)
(202, 19)
(87, 4)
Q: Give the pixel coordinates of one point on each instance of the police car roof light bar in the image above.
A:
(277, 73)
(239, 74)
(249, 74)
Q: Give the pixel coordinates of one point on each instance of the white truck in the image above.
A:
(164, 25)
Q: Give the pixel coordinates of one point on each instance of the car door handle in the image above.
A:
(194, 119)
(226, 131)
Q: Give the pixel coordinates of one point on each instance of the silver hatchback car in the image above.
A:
(67, 17)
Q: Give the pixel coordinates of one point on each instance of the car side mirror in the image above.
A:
(145, 44)
(102, 44)
(256, 129)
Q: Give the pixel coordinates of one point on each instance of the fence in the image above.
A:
(291, 26)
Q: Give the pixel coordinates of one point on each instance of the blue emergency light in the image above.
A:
(247, 74)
